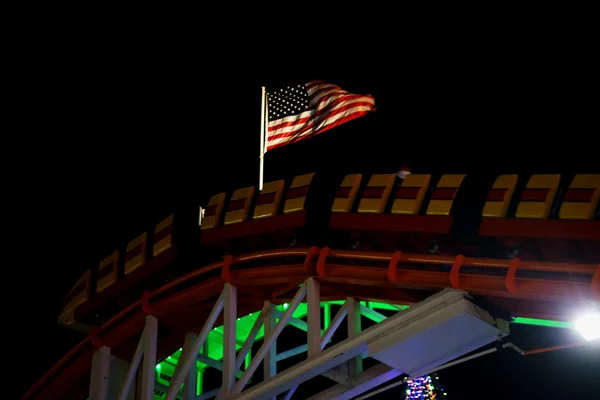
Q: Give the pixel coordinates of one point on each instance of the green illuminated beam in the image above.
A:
(543, 322)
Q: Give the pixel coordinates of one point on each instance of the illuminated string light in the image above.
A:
(424, 388)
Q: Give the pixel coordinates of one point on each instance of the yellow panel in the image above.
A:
(213, 211)
(381, 185)
(274, 190)
(243, 197)
(79, 293)
(451, 181)
(543, 184)
(582, 198)
(162, 236)
(444, 193)
(500, 196)
(296, 203)
(350, 184)
(108, 271)
(411, 194)
(135, 255)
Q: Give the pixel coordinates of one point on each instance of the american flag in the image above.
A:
(302, 111)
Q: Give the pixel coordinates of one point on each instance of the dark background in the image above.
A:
(106, 153)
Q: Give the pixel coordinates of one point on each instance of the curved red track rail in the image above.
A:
(382, 276)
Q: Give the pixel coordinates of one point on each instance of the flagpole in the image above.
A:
(262, 139)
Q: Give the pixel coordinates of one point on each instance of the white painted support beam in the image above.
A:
(446, 322)
(270, 361)
(306, 370)
(251, 336)
(208, 395)
(292, 352)
(290, 393)
(369, 379)
(189, 383)
(304, 348)
(100, 374)
(149, 358)
(204, 350)
(354, 328)
(216, 364)
(133, 367)
(164, 388)
(244, 352)
(296, 322)
(335, 323)
(372, 314)
(187, 363)
(342, 373)
(268, 342)
(313, 317)
(118, 372)
(229, 345)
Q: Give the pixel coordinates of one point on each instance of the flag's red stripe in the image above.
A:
(329, 108)
(328, 105)
(315, 121)
(273, 126)
(325, 128)
(330, 100)
(299, 121)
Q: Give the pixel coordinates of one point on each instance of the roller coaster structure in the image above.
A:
(298, 252)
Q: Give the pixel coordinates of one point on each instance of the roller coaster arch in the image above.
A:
(389, 275)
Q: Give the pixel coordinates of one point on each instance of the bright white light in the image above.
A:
(588, 326)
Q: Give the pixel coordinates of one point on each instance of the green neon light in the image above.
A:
(543, 322)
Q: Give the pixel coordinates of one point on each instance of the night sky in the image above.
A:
(114, 154)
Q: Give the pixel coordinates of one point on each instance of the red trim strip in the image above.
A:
(535, 194)
(296, 192)
(443, 194)
(235, 205)
(409, 193)
(374, 192)
(266, 198)
(579, 195)
(106, 270)
(343, 192)
(496, 195)
(136, 251)
(160, 235)
(210, 211)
